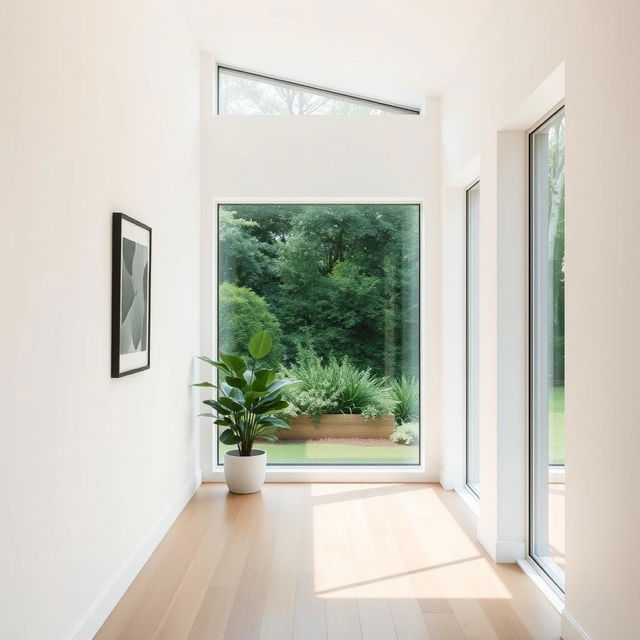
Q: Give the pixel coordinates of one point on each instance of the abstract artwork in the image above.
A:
(131, 296)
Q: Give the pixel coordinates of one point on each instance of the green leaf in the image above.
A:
(260, 345)
(231, 404)
(204, 384)
(252, 395)
(271, 407)
(214, 404)
(214, 363)
(239, 383)
(236, 395)
(206, 415)
(223, 422)
(273, 421)
(281, 384)
(234, 363)
(271, 437)
(228, 437)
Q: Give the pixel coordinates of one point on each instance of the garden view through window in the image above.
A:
(547, 504)
(337, 285)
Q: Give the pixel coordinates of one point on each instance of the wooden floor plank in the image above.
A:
(343, 620)
(444, 626)
(328, 562)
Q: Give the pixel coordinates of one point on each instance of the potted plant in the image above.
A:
(249, 399)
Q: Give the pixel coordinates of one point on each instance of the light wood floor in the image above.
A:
(328, 561)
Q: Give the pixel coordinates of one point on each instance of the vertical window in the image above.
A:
(547, 346)
(244, 93)
(337, 285)
(473, 416)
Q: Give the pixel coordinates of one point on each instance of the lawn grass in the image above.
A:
(556, 426)
(313, 452)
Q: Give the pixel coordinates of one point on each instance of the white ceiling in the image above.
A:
(395, 50)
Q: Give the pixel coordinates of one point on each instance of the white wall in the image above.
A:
(512, 76)
(602, 319)
(99, 112)
(331, 157)
(507, 82)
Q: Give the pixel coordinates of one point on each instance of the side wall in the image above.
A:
(99, 113)
(506, 84)
(602, 320)
(511, 77)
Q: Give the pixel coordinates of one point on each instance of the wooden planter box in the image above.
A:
(337, 425)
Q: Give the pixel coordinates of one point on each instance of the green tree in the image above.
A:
(556, 247)
(246, 259)
(344, 279)
(243, 313)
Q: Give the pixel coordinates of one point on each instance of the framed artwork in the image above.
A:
(130, 296)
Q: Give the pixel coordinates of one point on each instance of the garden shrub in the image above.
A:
(405, 393)
(242, 314)
(405, 433)
(336, 386)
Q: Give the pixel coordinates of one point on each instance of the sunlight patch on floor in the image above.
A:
(397, 541)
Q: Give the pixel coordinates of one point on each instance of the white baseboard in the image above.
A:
(451, 479)
(571, 630)
(337, 474)
(110, 596)
(470, 499)
(552, 593)
(502, 551)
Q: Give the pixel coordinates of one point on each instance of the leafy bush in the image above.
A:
(406, 433)
(336, 387)
(406, 394)
(242, 314)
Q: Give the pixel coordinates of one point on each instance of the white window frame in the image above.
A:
(472, 489)
(389, 107)
(213, 472)
(551, 574)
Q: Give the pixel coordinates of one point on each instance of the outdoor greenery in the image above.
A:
(406, 395)
(249, 398)
(337, 287)
(242, 314)
(339, 279)
(556, 248)
(321, 452)
(336, 387)
(405, 433)
(556, 426)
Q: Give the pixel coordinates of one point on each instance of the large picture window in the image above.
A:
(473, 339)
(337, 285)
(547, 346)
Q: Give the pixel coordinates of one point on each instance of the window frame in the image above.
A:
(394, 108)
(551, 572)
(470, 486)
(213, 472)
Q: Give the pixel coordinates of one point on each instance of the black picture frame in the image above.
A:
(131, 261)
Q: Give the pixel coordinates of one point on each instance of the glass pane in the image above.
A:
(338, 287)
(547, 405)
(473, 344)
(241, 93)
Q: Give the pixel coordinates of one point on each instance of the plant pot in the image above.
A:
(245, 474)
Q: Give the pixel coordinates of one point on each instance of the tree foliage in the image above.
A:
(242, 314)
(340, 279)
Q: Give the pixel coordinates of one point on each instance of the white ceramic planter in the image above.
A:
(245, 474)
